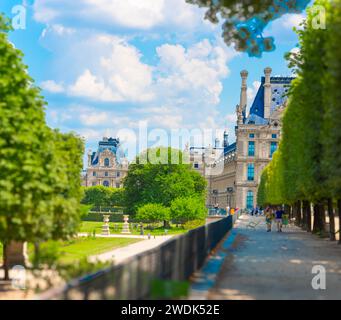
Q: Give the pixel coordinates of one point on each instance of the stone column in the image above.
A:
(267, 93)
(17, 253)
(243, 94)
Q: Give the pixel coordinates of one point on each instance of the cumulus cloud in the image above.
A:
(142, 14)
(52, 86)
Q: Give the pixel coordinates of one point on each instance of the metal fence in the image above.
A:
(177, 259)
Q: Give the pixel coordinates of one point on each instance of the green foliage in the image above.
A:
(161, 181)
(331, 138)
(193, 224)
(308, 161)
(152, 212)
(244, 21)
(100, 196)
(185, 209)
(39, 167)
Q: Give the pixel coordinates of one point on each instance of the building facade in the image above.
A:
(107, 166)
(233, 171)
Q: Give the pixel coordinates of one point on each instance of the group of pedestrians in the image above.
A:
(278, 215)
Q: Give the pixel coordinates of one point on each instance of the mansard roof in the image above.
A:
(111, 144)
(279, 89)
(230, 148)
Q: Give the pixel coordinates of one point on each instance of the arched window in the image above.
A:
(249, 200)
(106, 183)
(106, 162)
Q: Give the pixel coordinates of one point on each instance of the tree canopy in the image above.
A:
(307, 164)
(244, 21)
(39, 167)
(161, 182)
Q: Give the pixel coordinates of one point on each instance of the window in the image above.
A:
(251, 148)
(249, 200)
(106, 162)
(118, 185)
(251, 172)
(196, 165)
(94, 174)
(106, 183)
(274, 136)
(106, 174)
(118, 174)
(273, 148)
(252, 135)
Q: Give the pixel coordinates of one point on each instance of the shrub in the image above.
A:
(152, 212)
(188, 209)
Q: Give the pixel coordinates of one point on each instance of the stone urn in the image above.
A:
(125, 228)
(105, 227)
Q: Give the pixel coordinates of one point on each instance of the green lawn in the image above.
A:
(83, 247)
(73, 251)
(90, 226)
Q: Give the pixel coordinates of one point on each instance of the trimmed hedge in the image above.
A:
(98, 217)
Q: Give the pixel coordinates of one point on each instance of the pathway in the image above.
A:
(254, 264)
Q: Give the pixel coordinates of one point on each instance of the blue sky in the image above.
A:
(106, 65)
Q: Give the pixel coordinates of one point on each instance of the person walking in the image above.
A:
(268, 218)
(279, 216)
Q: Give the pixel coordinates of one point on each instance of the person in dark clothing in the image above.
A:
(279, 215)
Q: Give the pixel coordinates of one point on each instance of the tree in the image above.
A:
(152, 212)
(309, 164)
(161, 181)
(331, 134)
(68, 154)
(100, 196)
(244, 21)
(39, 168)
(185, 209)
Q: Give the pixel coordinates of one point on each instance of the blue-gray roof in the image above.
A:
(111, 144)
(279, 89)
(231, 148)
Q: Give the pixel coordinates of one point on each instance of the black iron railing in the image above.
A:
(177, 259)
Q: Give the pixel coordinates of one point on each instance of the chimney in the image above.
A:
(89, 158)
(243, 94)
(267, 93)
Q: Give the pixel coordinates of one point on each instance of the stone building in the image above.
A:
(233, 171)
(107, 166)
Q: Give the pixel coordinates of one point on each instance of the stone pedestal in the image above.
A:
(17, 254)
(125, 229)
(105, 227)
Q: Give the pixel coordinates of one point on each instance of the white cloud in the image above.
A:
(52, 86)
(141, 14)
(111, 71)
(194, 74)
(282, 29)
(252, 91)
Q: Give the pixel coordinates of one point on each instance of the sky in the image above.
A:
(113, 68)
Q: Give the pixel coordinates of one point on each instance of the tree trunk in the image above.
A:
(166, 224)
(305, 206)
(339, 209)
(308, 216)
(36, 254)
(318, 218)
(298, 213)
(331, 220)
(5, 262)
